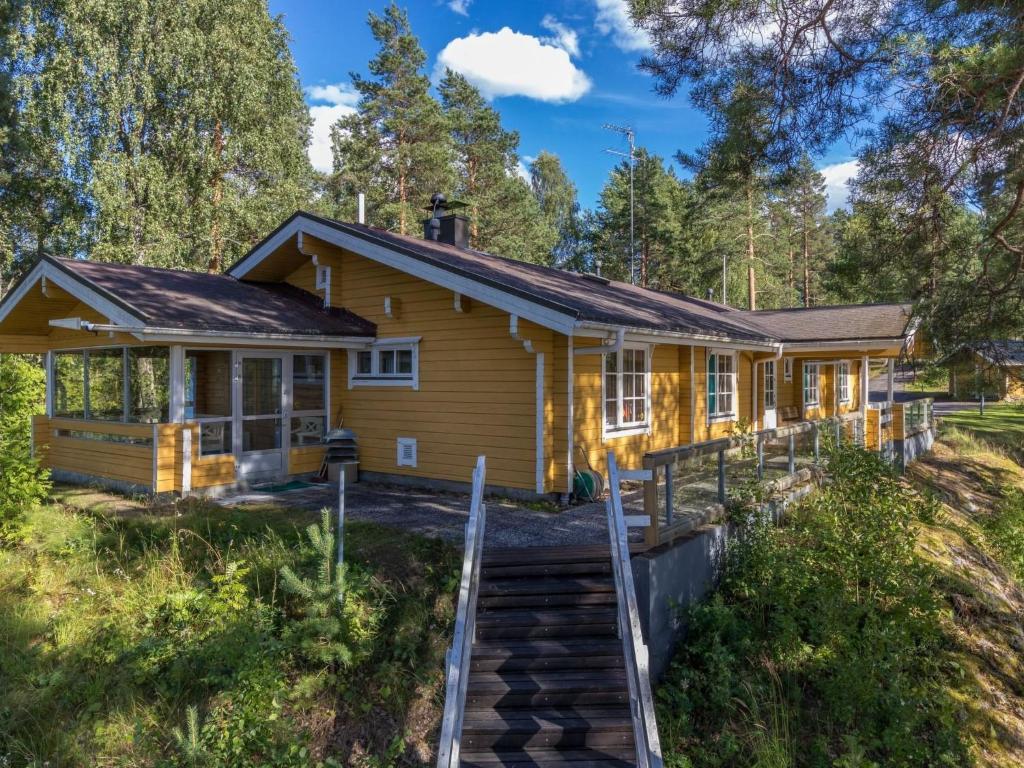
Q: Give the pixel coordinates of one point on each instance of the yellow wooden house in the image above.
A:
(429, 351)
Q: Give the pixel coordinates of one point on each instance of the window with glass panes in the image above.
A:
(769, 384)
(810, 383)
(721, 384)
(844, 382)
(395, 363)
(625, 388)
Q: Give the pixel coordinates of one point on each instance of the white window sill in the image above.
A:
(721, 417)
(815, 404)
(408, 383)
(613, 433)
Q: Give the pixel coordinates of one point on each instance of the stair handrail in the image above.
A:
(457, 659)
(641, 699)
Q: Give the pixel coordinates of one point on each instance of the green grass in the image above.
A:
(113, 626)
(1002, 426)
(930, 379)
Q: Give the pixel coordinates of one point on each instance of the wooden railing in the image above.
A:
(782, 456)
(641, 700)
(912, 417)
(458, 656)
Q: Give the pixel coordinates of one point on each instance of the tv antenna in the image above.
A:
(631, 138)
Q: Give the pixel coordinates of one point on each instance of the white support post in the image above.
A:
(755, 412)
(186, 461)
(49, 384)
(891, 376)
(177, 406)
(540, 423)
(341, 525)
(865, 384)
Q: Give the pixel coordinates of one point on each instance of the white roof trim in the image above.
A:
(74, 286)
(467, 286)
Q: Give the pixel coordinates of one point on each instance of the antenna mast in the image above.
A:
(631, 138)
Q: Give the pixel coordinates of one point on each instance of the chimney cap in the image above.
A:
(440, 202)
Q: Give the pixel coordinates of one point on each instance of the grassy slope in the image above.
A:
(972, 473)
(114, 621)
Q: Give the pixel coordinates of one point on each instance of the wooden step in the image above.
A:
(537, 631)
(607, 757)
(526, 617)
(539, 569)
(490, 700)
(546, 663)
(526, 682)
(545, 586)
(565, 599)
(575, 735)
(547, 648)
(520, 555)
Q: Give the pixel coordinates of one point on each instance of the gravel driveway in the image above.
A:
(444, 515)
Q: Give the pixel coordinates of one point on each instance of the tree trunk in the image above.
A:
(807, 266)
(751, 279)
(216, 198)
(402, 192)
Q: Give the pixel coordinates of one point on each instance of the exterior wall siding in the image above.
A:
(477, 385)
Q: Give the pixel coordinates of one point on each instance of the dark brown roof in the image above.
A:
(169, 298)
(853, 322)
(584, 297)
(1005, 352)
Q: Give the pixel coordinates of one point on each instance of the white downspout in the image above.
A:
(608, 346)
(513, 330)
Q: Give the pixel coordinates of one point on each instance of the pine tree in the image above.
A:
(556, 195)
(397, 147)
(656, 221)
(804, 196)
(504, 216)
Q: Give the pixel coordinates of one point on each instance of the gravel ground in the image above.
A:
(444, 515)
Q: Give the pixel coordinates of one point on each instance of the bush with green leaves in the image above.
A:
(1004, 527)
(823, 645)
(22, 394)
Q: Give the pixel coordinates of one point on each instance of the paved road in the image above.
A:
(879, 388)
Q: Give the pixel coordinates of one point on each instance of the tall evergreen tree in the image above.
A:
(656, 221)
(504, 216)
(397, 147)
(556, 195)
(804, 196)
(167, 132)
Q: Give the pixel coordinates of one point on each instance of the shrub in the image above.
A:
(1005, 529)
(22, 394)
(823, 642)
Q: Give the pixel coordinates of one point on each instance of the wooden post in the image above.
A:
(792, 454)
(341, 523)
(817, 444)
(652, 535)
(721, 477)
(668, 493)
(760, 457)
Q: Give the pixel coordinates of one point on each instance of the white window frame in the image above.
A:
(787, 369)
(773, 388)
(718, 414)
(843, 368)
(807, 401)
(377, 379)
(316, 412)
(622, 428)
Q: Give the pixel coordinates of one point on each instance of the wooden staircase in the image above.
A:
(548, 665)
(547, 681)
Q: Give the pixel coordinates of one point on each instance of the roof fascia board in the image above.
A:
(391, 257)
(827, 346)
(184, 336)
(77, 286)
(601, 330)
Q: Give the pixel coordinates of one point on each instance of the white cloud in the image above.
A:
(837, 187)
(460, 7)
(563, 38)
(523, 169)
(340, 100)
(613, 20)
(508, 63)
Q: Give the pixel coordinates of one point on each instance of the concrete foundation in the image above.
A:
(907, 450)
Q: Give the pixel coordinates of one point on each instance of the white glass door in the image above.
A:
(259, 416)
(770, 394)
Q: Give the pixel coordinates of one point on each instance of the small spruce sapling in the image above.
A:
(320, 634)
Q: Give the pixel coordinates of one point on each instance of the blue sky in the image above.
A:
(556, 71)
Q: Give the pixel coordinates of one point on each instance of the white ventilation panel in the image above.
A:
(407, 451)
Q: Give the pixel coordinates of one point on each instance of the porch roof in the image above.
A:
(202, 302)
(851, 322)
